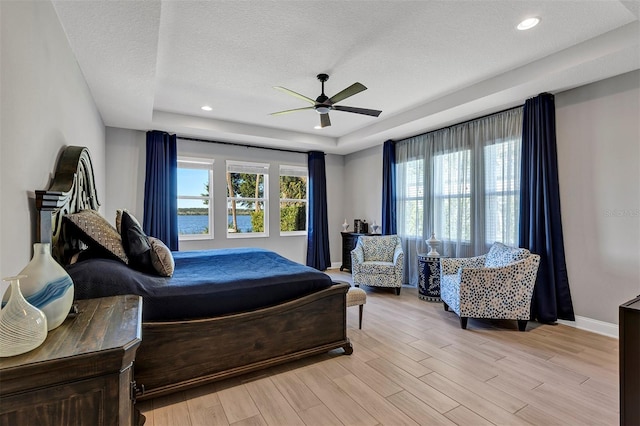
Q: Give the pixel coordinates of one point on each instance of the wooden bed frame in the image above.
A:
(176, 355)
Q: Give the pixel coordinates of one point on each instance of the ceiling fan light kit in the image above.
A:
(323, 104)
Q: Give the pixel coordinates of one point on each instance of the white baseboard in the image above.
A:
(335, 265)
(593, 325)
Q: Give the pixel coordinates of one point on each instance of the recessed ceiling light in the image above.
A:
(528, 23)
(206, 108)
(318, 127)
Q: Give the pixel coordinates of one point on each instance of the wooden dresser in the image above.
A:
(629, 352)
(82, 374)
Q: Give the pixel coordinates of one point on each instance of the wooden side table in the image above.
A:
(429, 277)
(82, 374)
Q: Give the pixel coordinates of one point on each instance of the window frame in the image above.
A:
(264, 199)
(199, 163)
(412, 194)
(281, 200)
(512, 191)
(462, 197)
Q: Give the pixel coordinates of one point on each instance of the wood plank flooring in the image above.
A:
(413, 365)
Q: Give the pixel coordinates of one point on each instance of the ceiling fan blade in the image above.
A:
(290, 110)
(349, 91)
(372, 112)
(324, 120)
(297, 95)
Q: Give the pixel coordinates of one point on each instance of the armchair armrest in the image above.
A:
(506, 290)
(398, 255)
(357, 257)
(450, 266)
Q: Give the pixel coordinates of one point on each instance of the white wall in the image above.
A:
(45, 105)
(125, 152)
(336, 196)
(363, 184)
(598, 133)
(126, 163)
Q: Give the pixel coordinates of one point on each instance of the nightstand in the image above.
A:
(83, 372)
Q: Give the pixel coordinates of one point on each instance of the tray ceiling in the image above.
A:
(153, 64)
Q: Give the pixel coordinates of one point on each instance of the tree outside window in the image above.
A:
(247, 199)
(293, 200)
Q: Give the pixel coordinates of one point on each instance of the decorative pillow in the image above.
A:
(501, 255)
(161, 258)
(136, 243)
(119, 219)
(96, 232)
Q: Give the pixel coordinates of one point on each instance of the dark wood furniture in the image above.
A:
(429, 277)
(176, 355)
(629, 350)
(349, 241)
(82, 374)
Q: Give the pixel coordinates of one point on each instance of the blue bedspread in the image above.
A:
(205, 283)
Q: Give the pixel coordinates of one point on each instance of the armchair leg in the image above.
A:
(398, 291)
(463, 322)
(522, 325)
(446, 307)
(360, 317)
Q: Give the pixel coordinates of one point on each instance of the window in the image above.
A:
(195, 198)
(462, 183)
(502, 191)
(452, 195)
(293, 200)
(247, 199)
(411, 197)
(456, 194)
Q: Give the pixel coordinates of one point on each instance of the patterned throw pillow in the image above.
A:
(161, 258)
(501, 255)
(96, 232)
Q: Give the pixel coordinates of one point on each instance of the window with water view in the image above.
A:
(247, 199)
(195, 216)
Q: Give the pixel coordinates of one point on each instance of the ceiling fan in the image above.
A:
(324, 104)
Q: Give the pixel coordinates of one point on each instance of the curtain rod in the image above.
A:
(461, 123)
(243, 145)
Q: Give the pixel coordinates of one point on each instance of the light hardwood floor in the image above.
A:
(412, 364)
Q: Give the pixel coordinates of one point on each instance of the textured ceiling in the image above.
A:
(153, 64)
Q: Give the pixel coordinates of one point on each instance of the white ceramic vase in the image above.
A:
(47, 285)
(433, 244)
(23, 327)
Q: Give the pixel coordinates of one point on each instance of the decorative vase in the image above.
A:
(374, 227)
(433, 244)
(23, 327)
(47, 285)
(345, 226)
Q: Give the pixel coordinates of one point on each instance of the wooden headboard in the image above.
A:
(73, 189)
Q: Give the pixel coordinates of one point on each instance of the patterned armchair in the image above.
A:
(378, 261)
(497, 285)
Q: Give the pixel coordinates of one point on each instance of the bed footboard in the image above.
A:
(181, 354)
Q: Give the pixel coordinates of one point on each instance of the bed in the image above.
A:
(189, 342)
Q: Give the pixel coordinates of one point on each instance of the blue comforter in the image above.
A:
(205, 283)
